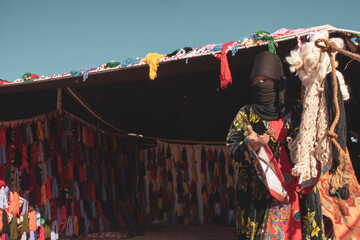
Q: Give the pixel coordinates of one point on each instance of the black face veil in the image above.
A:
(268, 97)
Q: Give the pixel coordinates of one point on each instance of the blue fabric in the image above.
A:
(84, 71)
(217, 48)
(129, 61)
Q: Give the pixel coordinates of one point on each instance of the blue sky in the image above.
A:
(48, 37)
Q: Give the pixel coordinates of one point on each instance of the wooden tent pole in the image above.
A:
(58, 104)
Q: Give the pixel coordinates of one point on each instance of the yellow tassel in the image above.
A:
(76, 226)
(165, 217)
(169, 187)
(40, 131)
(84, 136)
(186, 222)
(153, 60)
(203, 179)
(186, 188)
(193, 175)
(230, 181)
(148, 176)
(216, 170)
(43, 194)
(180, 209)
(178, 155)
(210, 187)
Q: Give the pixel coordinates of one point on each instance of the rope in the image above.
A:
(331, 47)
(340, 177)
(90, 110)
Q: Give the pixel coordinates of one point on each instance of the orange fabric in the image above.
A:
(14, 204)
(32, 221)
(344, 214)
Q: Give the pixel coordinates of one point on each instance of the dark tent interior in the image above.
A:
(184, 102)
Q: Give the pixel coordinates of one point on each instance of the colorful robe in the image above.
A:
(268, 204)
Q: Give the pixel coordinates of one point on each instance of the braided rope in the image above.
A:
(341, 176)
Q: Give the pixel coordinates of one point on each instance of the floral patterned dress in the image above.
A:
(269, 205)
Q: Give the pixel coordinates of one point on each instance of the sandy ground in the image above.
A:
(163, 231)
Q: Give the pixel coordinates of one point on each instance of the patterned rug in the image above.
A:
(344, 214)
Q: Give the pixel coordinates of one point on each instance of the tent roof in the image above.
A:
(197, 60)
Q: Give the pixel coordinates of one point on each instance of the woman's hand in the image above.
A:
(256, 141)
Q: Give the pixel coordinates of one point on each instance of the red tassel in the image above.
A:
(2, 176)
(58, 161)
(48, 189)
(42, 233)
(70, 172)
(223, 202)
(121, 221)
(24, 159)
(91, 138)
(210, 156)
(63, 179)
(92, 191)
(230, 193)
(3, 136)
(77, 208)
(194, 209)
(53, 210)
(63, 213)
(10, 155)
(225, 74)
(18, 138)
(98, 205)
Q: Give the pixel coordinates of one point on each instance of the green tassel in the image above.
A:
(112, 64)
(26, 77)
(42, 215)
(47, 231)
(8, 176)
(25, 224)
(13, 229)
(266, 37)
